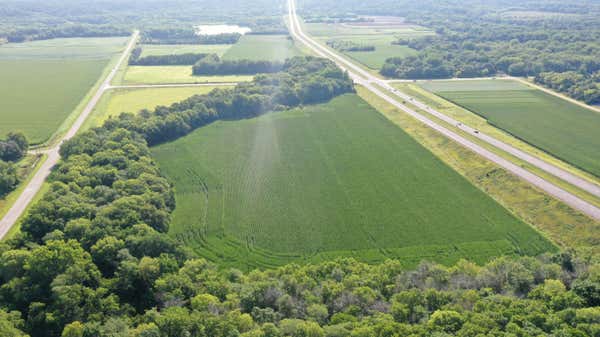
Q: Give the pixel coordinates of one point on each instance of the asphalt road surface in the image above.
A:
(36, 182)
(366, 79)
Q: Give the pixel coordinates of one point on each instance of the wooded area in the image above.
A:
(11, 150)
(213, 65)
(186, 59)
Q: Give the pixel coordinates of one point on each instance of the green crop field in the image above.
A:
(44, 81)
(134, 100)
(559, 127)
(174, 74)
(174, 49)
(96, 48)
(336, 179)
(263, 47)
(384, 49)
(379, 37)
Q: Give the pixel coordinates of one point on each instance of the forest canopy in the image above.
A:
(12, 149)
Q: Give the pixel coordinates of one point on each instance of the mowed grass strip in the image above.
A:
(37, 95)
(336, 179)
(176, 49)
(561, 128)
(133, 100)
(263, 47)
(174, 75)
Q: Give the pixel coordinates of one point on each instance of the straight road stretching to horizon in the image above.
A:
(36, 182)
(366, 79)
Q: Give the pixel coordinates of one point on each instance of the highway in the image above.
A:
(36, 182)
(366, 79)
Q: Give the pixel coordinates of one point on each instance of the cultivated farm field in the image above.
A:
(174, 74)
(94, 48)
(379, 36)
(336, 179)
(384, 49)
(117, 101)
(57, 73)
(263, 47)
(175, 49)
(559, 127)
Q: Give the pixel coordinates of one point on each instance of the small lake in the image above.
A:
(221, 29)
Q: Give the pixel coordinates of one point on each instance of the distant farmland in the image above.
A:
(384, 50)
(175, 49)
(174, 74)
(329, 180)
(561, 128)
(377, 35)
(44, 81)
(263, 47)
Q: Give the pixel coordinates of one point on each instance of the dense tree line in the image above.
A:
(8, 177)
(185, 36)
(213, 65)
(349, 46)
(14, 147)
(577, 85)
(545, 296)
(469, 55)
(65, 31)
(11, 150)
(186, 59)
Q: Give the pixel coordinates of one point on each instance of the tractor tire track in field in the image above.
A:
(369, 81)
(36, 182)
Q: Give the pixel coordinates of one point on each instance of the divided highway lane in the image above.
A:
(367, 80)
(34, 185)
